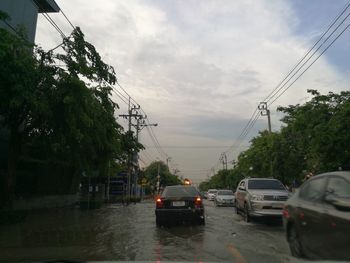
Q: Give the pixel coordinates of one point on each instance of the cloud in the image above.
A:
(199, 68)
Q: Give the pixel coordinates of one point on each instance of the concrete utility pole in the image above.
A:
(129, 116)
(140, 124)
(223, 158)
(167, 161)
(264, 111)
(158, 178)
(176, 171)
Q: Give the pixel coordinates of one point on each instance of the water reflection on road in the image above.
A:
(117, 233)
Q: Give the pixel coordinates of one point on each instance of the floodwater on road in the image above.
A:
(129, 233)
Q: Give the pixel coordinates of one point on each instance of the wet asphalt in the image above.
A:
(129, 233)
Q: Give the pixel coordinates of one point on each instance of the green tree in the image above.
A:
(314, 138)
(58, 116)
(166, 177)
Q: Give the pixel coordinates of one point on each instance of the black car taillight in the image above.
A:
(198, 202)
(159, 203)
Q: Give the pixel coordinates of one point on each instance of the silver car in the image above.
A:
(224, 198)
(211, 194)
(260, 197)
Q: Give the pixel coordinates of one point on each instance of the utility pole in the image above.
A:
(140, 124)
(129, 116)
(223, 158)
(158, 178)
(264, 111)
(176, 171)
(167, 161)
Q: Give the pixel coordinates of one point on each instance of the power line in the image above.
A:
(286, 79)
(312, 63)
(127, 100)
(280, 88)
(48, 18)
(308, 52)
(14, 30)
(67, 19)
(121, 87)
(53, 23)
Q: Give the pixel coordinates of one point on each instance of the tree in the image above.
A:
(314, 138)
(58, 116)
(166, 178)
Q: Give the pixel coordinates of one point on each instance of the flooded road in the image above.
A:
(121, 233)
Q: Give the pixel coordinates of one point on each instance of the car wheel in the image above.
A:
(294, 243)
(246, 213)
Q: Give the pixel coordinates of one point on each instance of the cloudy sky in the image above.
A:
(200, 68)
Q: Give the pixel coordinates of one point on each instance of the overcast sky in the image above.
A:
(200, 68)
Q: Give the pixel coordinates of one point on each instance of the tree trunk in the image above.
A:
(13, 157)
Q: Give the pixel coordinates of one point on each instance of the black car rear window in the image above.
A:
(180, 191)
(265, 184)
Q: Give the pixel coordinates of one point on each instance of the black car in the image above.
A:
(317, 218)
(179, 203)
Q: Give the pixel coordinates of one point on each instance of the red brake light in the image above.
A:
(285, 212)
(198, 201)
(159, 203)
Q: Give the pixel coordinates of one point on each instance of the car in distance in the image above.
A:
(224, 198)
(211, 194)
(317, 218)
(179, 203)
(260, 197)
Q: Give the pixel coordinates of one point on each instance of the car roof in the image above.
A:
(261, 178)
(339, 173)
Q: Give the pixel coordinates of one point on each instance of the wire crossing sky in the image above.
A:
(200, 75)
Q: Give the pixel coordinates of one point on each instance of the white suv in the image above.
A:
(260, 197)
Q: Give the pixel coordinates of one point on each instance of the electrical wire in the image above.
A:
(313, 54)
(67, 18)
(309, 51)
(287, 78)
(311, 64)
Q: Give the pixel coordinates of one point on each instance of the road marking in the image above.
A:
(234, 251)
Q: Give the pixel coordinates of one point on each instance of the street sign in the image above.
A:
(143, 182)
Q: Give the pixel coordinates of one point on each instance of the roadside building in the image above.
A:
(25, 13)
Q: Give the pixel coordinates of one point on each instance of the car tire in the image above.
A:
(294, 243)
(246, 215)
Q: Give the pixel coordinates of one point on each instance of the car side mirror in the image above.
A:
(342, 204)
(242, 188)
